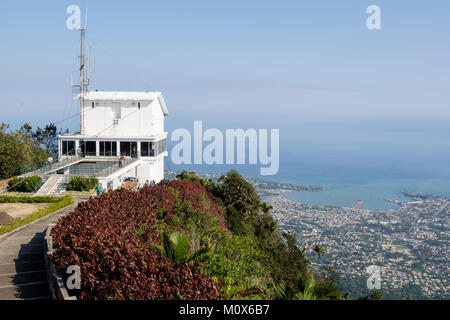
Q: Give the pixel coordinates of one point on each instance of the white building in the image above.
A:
(115, 124)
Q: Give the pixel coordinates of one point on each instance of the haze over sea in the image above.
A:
(368, 161)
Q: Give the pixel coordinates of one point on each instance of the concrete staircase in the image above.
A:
(54, 185)
(22, 266)
(60, 186)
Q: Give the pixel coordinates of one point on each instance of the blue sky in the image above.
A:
(310, 68)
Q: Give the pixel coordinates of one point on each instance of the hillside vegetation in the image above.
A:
(23, 148)
(185, 239)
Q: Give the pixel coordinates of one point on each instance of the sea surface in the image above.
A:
(346, 186)
(372, 193)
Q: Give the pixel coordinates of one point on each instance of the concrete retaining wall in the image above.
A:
(54, 276)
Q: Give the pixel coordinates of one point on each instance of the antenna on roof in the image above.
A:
(85, 19)
(83, 87)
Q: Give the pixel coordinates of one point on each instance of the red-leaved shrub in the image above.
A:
(116, 263)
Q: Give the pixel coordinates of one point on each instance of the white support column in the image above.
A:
(77, 145)
(60, 151)
(118, 148)
(97, 148)
(138, 148)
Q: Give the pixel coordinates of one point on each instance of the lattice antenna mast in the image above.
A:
(84, 72)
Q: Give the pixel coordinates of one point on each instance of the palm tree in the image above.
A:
(281, 292)
(307, 288)
(176, 248)
(319, 250)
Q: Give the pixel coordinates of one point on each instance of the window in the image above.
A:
(146, 148)
(68, 148)
(160, 146)
(108, 148)
(128, 149)
(93, 104)
(117, 114)
(88, 148)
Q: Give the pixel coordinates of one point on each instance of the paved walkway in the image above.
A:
(22, 267)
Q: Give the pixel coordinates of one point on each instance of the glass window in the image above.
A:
(144, 148)
(88, 148)
(114, 148)
(125, 149)
(108, 148)
(68, 148)
(156, 148)
(134, 149)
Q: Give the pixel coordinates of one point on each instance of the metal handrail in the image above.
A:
(48, 168)
(99, 170)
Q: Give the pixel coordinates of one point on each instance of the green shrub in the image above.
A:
(162, 213)
(257, 253)
(203, 228)
(25, 184)
(79, 183)
(26, 199)
(237, 259)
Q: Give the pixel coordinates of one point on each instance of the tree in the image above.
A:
(241, 202)
(307, 289)
(17, 149)
(47, 137)
(374, 295)
(27, 129)
(237, 192)
(265, 207)
(319, 250)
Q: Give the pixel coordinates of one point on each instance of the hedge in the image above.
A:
(27, 199)
(78, 183)
(25, 184)
(63, 202)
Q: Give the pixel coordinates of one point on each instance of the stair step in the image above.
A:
(20, 266)
(34, 290)
(22, 278)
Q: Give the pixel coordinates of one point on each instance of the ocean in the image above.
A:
(344, 186)
(372, 193)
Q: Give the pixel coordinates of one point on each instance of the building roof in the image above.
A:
(108, 137)
(126, 96)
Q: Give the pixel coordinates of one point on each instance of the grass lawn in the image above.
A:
(56, 203)
(80, 192)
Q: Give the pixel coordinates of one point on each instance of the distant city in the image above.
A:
(410, 243)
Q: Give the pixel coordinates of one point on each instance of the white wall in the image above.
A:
(151, 169)
(147, 169)
(146, 121)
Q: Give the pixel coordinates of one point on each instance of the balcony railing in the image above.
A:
(150, 153)
(100, 168)
(43, 168)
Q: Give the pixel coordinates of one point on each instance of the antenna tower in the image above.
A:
(83, 87)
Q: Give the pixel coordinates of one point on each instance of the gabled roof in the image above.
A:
(126, 96)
